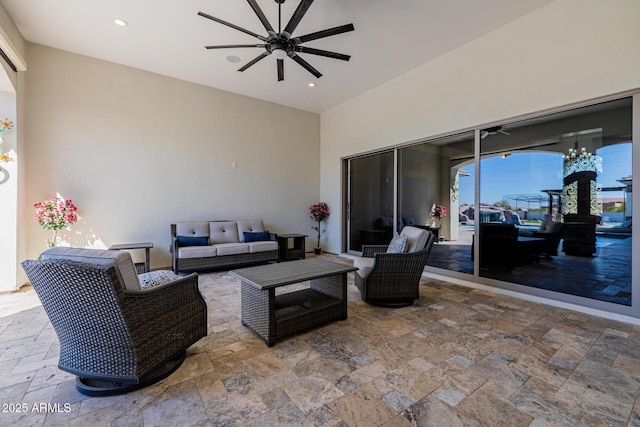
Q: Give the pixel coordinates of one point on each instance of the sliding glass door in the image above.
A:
(370, 206)
(554, 213)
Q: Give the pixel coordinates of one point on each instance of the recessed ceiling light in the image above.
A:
(312, 84)
(233, 58)
(120, 22)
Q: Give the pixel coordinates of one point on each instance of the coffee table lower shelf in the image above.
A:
(273, 317)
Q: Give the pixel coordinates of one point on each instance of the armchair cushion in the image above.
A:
(416, 238)
(364, 266)
(120, 259)
(397, 245)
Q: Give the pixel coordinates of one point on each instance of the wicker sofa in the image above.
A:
(221, 244)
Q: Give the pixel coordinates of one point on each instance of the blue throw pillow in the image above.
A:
(193, 241)
(256, 237)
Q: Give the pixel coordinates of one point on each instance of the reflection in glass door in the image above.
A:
(371, 194)
(554, 202)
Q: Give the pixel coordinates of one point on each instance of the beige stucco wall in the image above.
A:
(567, 52)
(136, 151)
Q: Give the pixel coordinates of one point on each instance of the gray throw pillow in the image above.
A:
(398, 245)
(156, 278)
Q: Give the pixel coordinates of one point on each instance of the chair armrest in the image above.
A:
(176, 308)
(368, 251)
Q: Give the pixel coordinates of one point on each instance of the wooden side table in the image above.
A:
(141, 267)
(285, 253)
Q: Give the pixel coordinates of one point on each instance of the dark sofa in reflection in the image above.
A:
(505, 246)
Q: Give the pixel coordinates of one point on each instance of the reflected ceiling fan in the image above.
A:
(282, 44)
(492, 131)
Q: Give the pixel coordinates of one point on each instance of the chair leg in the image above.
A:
(98, 388)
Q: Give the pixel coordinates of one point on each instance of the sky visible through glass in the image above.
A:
(529, 173)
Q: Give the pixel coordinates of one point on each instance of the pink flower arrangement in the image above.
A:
(56, 214)
(319, 212)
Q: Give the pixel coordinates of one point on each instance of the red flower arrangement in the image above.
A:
(319, 212)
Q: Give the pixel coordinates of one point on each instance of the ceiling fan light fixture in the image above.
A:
(120, 22)
(279, 53)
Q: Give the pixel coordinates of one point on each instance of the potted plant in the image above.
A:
(55, 214)
(319, 212)
(437, 213)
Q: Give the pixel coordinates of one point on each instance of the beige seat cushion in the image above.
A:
(197, 252)
(232, 248)
(364, 266)
(262, 246)
(120, 259)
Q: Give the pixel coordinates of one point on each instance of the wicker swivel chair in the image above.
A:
(116, 335)
(392, 279)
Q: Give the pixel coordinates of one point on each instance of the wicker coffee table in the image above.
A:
(273, 316)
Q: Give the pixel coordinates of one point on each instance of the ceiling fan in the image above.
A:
(492, 131)
(282, 44)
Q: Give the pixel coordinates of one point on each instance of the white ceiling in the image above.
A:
(168, 37)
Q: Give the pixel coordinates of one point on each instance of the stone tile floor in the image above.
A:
(458, 357)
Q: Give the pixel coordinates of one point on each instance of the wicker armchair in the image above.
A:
(115, 335)
(392, 279)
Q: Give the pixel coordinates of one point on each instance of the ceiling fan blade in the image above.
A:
(228, 46)
(261, 16)
(305, 65)
(280, 70)
(325, 33)
(235, 27)
(254, 60)
(321, 52)
(297, 16)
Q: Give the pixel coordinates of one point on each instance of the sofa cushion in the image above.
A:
(232, 248)
(364, 265)
(262, 246)
(223, 232)
(197, 252)
(249, 226)
(193, 241)
(156, 278)
(255, 237)
(192, 229)
(120, 259)
(398, 245)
